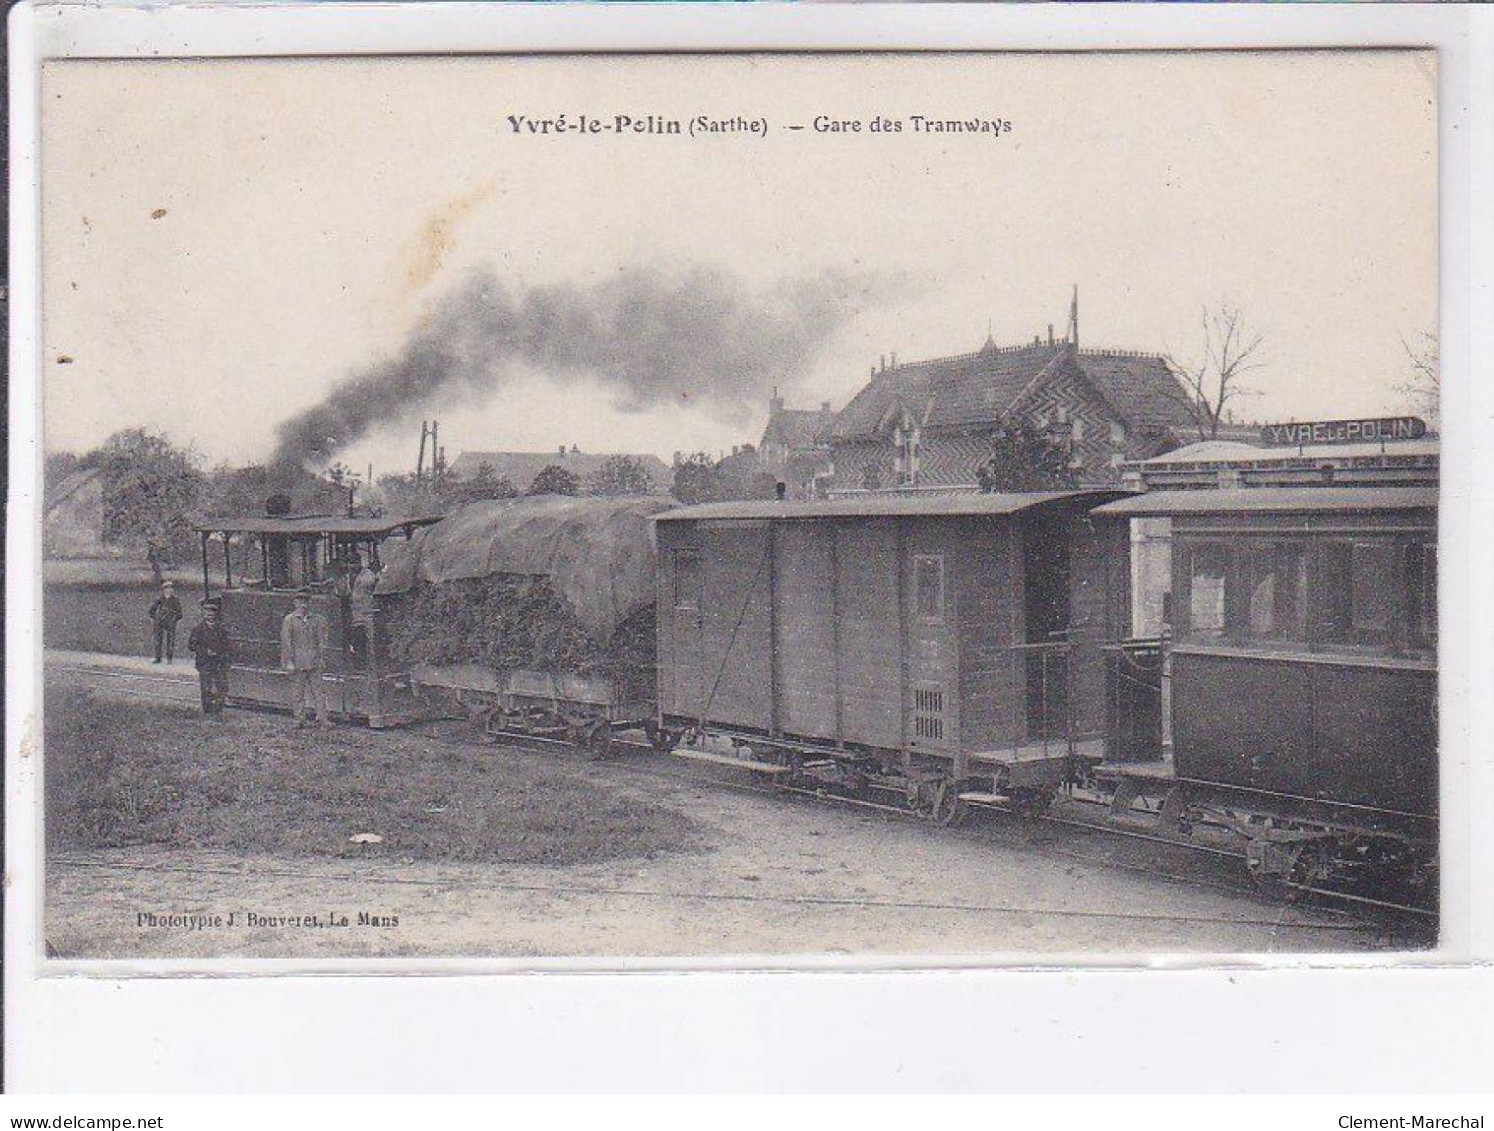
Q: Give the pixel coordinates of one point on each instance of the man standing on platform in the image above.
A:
(209, 643)
(165, 614)
(303, 648)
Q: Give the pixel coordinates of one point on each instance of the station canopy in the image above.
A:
(597, 553)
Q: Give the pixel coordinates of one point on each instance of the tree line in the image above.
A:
(155, 492)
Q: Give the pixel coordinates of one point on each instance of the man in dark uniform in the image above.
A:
(165, 614)
(214, 651)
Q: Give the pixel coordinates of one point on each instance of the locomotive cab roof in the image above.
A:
(314, 525)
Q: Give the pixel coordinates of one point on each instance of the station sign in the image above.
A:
(1371, 431)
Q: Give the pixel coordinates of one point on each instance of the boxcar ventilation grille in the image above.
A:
(928, 711)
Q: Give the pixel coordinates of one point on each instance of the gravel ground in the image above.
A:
(759, 875)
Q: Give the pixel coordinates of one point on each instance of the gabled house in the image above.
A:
(930, 424)
(795, 447)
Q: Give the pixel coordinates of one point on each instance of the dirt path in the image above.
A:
(774, 876)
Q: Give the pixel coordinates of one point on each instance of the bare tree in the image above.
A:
(1423, 387)
(1210, 385)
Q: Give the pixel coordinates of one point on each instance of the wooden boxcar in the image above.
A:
(951, 639)
(1302, 661)
(319, 554)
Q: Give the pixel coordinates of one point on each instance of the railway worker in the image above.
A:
(165, 614)
(303, 648)
(363, 606)
(213, 650)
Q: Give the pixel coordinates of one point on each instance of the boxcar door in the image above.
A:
(1046, 615)
(687, 623)
(932, 689)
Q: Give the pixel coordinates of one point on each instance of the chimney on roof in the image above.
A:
(561, 451)
(677, 459)
(775, 404)
(824, 408)
(575, 450)
(894, 361)
(736, 449)
(884, 363)
(1074, 318)
(1050, 333)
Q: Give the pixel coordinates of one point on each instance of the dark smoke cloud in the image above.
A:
(700, 337)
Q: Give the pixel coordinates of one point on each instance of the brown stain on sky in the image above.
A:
(437, 236)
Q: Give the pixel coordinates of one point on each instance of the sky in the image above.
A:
(225, 243)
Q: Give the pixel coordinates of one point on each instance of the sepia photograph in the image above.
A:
(966, 507)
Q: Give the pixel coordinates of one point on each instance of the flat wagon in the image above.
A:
(945, 645)
(532, 616)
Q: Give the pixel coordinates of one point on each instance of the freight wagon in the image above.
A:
(945, 645)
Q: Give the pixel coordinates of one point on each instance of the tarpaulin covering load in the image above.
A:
(596, 553)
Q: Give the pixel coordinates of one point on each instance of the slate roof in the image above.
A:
(520, 468)
(1140, 387)
(982, 387)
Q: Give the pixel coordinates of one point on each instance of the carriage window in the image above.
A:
(1208, 567)
(928, 586)
(687, 579)
(1421, 591)
(1275, 576)
(1359, 582)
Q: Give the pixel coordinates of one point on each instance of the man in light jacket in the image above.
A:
(303, 649)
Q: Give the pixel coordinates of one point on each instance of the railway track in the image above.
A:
(181, 688)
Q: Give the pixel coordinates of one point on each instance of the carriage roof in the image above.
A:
(1279, 500)
(887, 506)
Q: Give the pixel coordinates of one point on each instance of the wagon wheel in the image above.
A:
(794, 763)
(1031, 802)
(1269, 879)
(947, 809)
(857, 783)
(599, 740)
(576, 734)
(1315, 866)
(489, 724)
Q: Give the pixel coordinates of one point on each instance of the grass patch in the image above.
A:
(120, 774)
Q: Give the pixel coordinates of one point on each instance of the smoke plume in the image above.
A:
(648, 338)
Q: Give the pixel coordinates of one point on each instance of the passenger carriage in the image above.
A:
(319, 554)
(945, 645)
(1302, 677)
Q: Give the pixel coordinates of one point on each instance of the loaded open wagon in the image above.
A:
(532, 616)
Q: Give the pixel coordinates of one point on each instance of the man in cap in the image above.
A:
(363, 605)
(303, 647)
(210, 644)
(165, 614)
